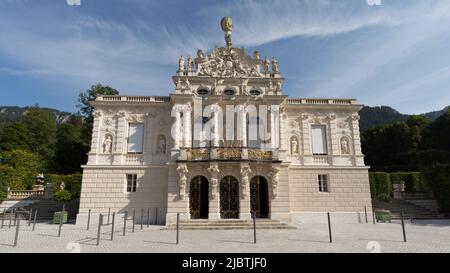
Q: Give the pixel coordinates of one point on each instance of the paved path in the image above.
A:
(423, 236)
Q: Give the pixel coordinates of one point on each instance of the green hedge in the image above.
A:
(414, 181)
(380, 186)
(72, 181)
(439, 177)
(381, 183)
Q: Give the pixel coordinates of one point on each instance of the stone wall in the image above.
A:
(104, 188)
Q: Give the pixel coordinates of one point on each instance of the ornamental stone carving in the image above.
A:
(274, 179)
(275, 66)
(225, 62)
(245, 171)
(161, 145)
(181, 64)
(107, 144)
(214, 171)
(182, 172)
(345, 149)
(190, 64)
(294, 145)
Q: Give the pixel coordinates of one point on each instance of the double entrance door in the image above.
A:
(228, 197)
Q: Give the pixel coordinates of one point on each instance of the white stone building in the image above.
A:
(226, 143)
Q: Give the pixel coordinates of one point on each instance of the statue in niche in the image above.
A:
(161, 144)
(107, 145)
(294, 145)
(344, 146)
(275, 66)
(181, 64)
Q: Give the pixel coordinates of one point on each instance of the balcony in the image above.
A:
(227, 154)
(321, 160)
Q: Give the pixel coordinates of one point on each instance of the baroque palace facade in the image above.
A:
(224, 145)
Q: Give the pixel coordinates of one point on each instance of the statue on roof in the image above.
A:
(227, 26)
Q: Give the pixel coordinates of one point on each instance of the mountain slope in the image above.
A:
(379, 115)
(11, 114)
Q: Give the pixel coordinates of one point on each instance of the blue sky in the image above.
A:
(394, 54)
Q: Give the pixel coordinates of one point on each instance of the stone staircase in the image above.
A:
(203, 224)
(47, 207)
(418, 206)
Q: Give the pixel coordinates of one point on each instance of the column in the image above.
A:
(96, 139)
(244, 126)
(276, 119)
(216, 127)
(177, 130)
(187, 127)
(274, 110)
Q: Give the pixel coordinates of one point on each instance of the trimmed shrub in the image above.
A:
(72, 183)
(63, 196)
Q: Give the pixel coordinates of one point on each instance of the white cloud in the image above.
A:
(138, 55)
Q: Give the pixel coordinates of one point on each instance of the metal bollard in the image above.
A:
(60, 223)
(142, 217)
(100, 221)
(112, 225)
(3, 219)
(89, 219)
(329, 227)
(134, 217)
(403, 227)
(365, 212)
(10, 219)
(34, 220)
(17, 233)
(15, 218)
(178, 227)
(29, 217)
(373, 216)
(125, 222)
(148, 217)
(156, 216)
(109, 211)
(254, 227)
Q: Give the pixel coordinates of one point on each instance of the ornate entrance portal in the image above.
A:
(199, 198)
(229, 198)
(259, 197)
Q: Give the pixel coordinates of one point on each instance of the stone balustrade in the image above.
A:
(322, 101)
(133, 99)
(226, 153)
(25, 194)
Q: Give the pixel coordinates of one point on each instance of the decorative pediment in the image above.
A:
(227, 62)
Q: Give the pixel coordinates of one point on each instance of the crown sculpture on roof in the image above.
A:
(228, 61)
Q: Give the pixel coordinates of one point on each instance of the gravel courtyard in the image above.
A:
(422, 236)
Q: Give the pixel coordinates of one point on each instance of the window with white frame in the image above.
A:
(323, 182)
(135, 138)
(319, 140)
(131, 182)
